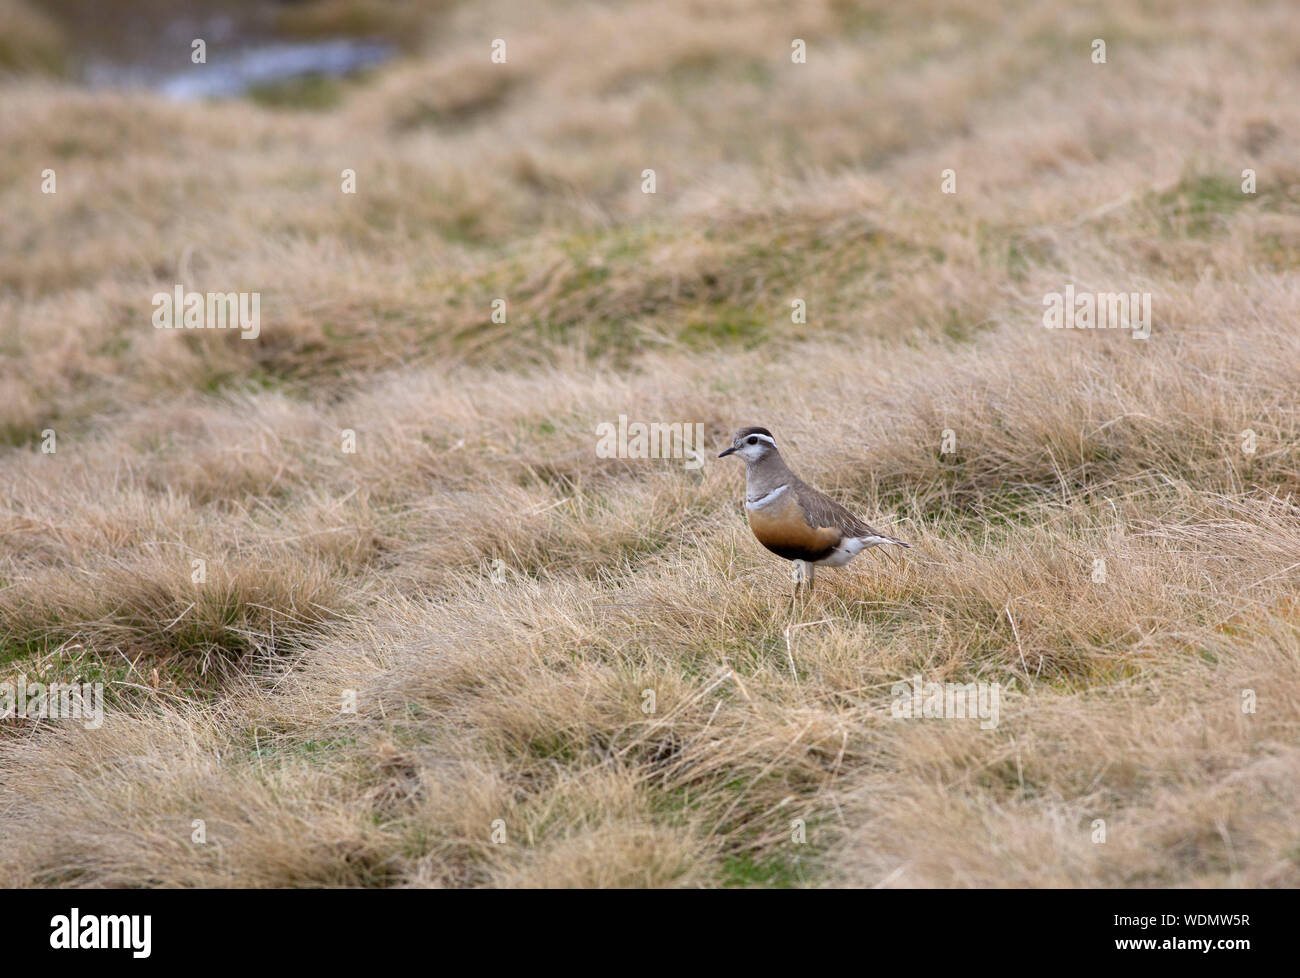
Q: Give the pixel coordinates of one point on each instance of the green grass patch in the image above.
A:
(313, 93)
(778, 872)
(1198, 206)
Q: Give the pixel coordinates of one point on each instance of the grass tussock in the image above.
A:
(471, 652)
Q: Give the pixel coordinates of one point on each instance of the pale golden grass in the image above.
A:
(500, 599)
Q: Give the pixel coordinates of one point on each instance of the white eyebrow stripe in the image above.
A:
(764, 437)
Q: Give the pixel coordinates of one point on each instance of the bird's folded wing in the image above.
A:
(822, 511)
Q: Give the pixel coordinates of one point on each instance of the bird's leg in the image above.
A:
(812, 574)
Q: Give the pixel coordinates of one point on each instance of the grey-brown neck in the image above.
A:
(765, 475)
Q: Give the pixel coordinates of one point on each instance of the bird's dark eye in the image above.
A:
(752, 440)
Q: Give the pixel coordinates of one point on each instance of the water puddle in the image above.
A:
(240, 71)
(148, 44)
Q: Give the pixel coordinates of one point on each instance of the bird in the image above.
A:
(791, 518)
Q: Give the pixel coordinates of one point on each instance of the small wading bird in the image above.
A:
(791, 518)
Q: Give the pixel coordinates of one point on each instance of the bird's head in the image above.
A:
(751, 444)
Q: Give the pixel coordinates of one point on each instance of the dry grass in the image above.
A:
(500, 598)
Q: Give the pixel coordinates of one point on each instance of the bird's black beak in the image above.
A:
(727, 452)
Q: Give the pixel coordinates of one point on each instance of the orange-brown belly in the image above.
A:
(781, 528)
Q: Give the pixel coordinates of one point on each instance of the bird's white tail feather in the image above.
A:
(875, 541)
